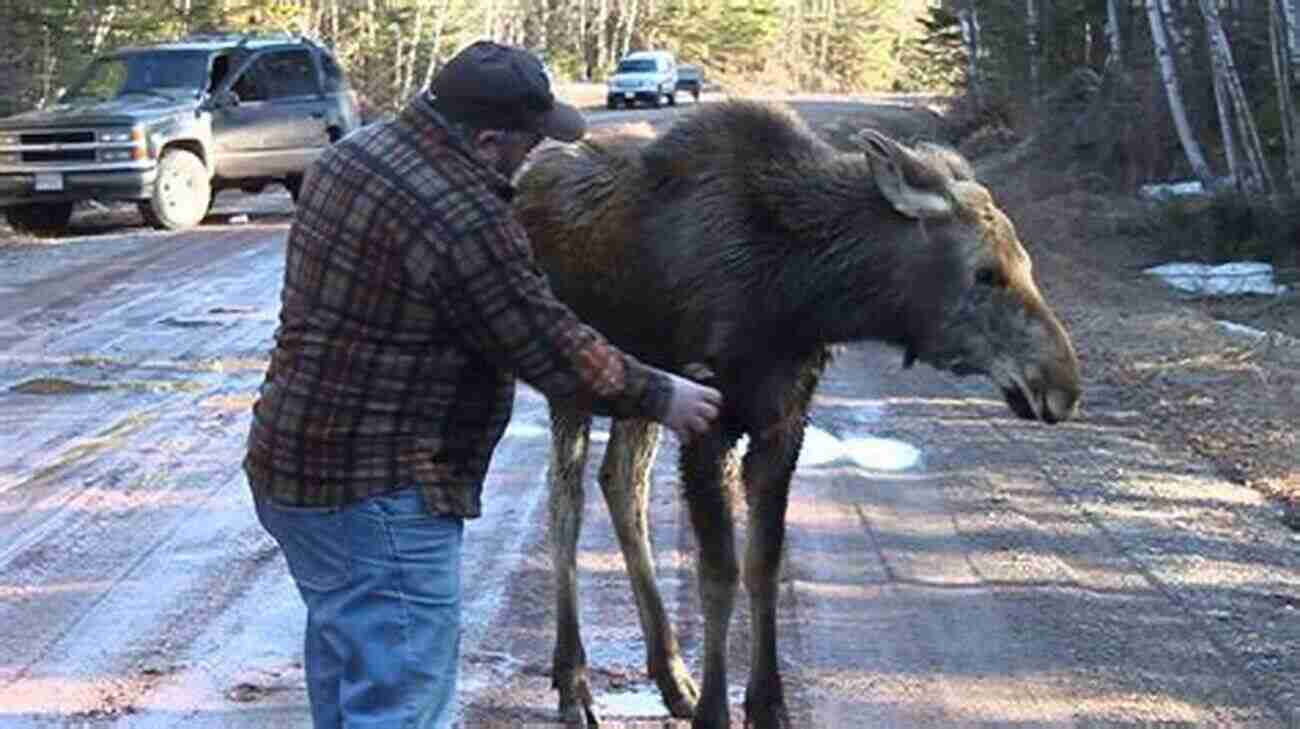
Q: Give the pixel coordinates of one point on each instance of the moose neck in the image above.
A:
(845, 276)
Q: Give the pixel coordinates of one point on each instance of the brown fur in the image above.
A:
(740, 240)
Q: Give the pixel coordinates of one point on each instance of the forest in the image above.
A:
(1212, 81)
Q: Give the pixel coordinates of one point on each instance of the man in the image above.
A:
(411, 302)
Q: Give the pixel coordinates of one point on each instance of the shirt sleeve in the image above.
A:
(501, 305)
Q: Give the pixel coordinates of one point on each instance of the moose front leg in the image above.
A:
(768, 468)
(570, 436)
(625, 480)
(707, 491)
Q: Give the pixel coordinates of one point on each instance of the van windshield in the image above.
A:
(637, 65)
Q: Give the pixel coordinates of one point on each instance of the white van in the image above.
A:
(649, 76)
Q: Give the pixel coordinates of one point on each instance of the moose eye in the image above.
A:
(989, 277)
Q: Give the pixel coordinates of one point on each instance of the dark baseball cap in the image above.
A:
(501, 87)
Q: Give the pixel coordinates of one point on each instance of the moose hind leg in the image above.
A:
(707, 491)
(768, 468)
(570, 437)
(625, 480)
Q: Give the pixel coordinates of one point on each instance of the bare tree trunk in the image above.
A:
(601, 33)
(970, 34)
(1292, 19)
(1169, 73)
(584, 41)
(1031, 30)
(334, 24)
(1280, 35)
(435, 43)
(1173, 22)
(629, 27)
(1114, 44)
(1252, 175)
(103, 24)
(406, 64)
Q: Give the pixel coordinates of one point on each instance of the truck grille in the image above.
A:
(75, 137)
(66, 155)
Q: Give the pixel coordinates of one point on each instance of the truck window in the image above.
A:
(333, 74)
(278, 75)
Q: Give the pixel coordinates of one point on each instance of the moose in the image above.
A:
(740, 245)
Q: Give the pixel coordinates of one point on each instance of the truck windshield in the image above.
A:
(153, 72)
(636, 66)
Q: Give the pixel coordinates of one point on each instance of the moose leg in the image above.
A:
(570, 436)
(767, 471)
(708, 494)
(625, 480)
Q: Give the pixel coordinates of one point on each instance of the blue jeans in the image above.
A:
(381, 581)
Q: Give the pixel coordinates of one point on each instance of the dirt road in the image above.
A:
(947, 565)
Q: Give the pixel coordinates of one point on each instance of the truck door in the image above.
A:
(277, 125)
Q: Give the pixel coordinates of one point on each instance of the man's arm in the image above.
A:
(503, 306)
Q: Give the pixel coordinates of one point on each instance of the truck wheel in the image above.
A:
(293, 183)
(672, 98)
(182, 194)
(39, 218)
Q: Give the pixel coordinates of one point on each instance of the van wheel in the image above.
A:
(39, 218)
(182, 194)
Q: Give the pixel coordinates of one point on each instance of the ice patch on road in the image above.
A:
(1242, 330)
(821, 448)
(1227, 279)
(645, 702)
(882, 454)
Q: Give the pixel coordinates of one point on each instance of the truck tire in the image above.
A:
(182, 194)
(293, 183)
(39, 218)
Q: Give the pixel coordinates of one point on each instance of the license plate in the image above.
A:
(629, 94)
(49, 181)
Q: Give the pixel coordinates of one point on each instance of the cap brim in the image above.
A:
(563, 122)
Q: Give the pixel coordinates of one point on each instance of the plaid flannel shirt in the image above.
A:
(411, 301)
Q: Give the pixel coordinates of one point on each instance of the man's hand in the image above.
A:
(692, 408)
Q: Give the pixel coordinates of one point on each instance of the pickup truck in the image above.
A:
(690, 79)
(170, 125)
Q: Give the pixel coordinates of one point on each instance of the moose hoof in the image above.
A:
(576, 705)
(578, 716)
(678, 690)
(767, 716)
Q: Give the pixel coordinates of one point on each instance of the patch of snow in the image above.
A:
(1168, 190)
(624, 704)
(819, 448)
(1242, 329)
(871, 453)
(882, 454)
(1227, 279)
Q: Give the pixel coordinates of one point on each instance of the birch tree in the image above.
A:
(1114, 44)
(1240, 136)
(970, 34)
(1035, 60)
(1282, 43)
(1173, 91)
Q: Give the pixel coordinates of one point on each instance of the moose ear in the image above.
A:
(891, 164)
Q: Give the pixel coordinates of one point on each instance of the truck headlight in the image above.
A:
(121, 137)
